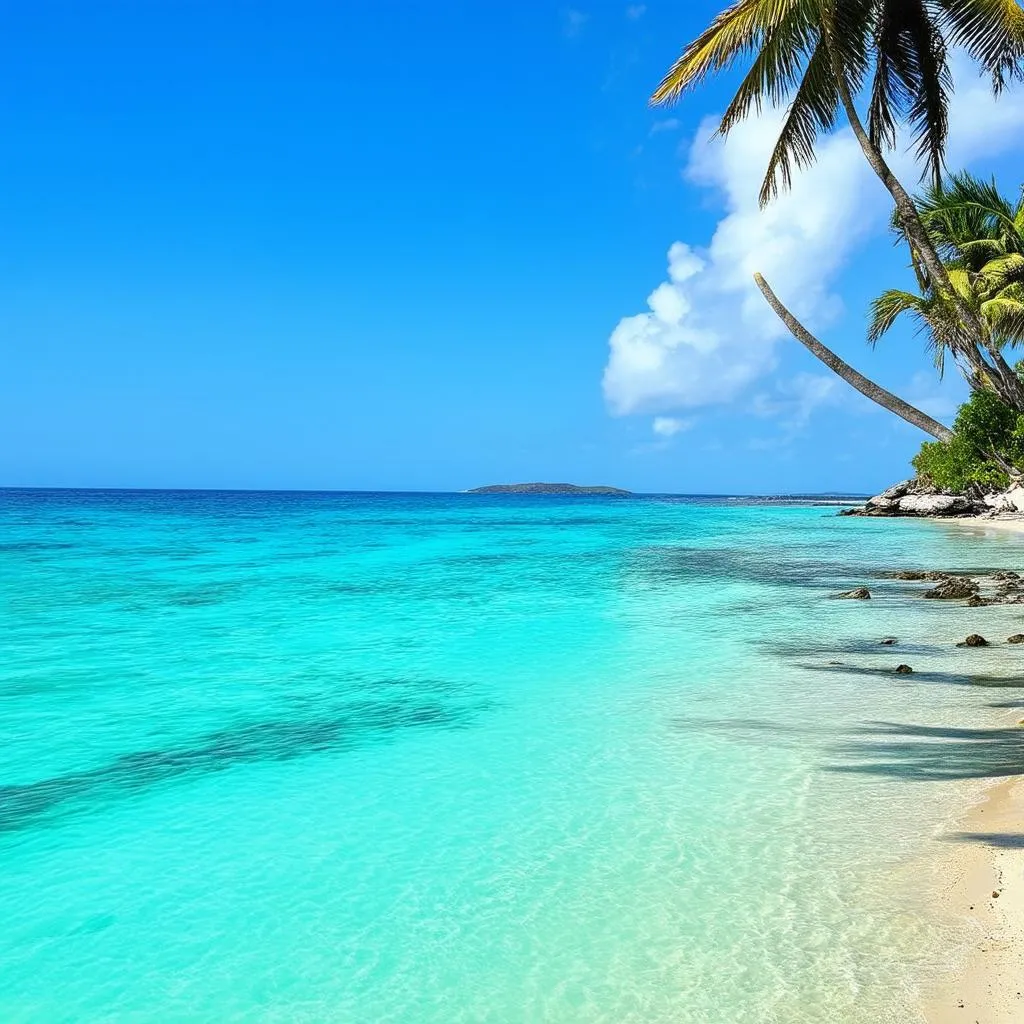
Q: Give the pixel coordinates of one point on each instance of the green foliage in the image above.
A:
(812, 56)
(986, 435)
(980, 237)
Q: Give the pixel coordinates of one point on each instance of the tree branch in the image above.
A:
(886, 399)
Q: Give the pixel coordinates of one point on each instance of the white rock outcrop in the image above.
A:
(1011, 500)
(933, 504)
(892, 493)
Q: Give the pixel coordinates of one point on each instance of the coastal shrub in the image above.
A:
(986, 435)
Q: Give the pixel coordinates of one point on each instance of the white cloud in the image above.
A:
(795, 399)
(573, 21)
(635, 11)
(708, 334)
(669, 426)
(938, 398)
(670, 124)
(980, 125)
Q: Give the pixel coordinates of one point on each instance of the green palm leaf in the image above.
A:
(992, 32)
(902, 46)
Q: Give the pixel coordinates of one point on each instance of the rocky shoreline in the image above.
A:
(919, 499)
(975, 590)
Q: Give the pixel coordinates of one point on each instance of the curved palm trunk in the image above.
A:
(886, 399)
(1008, 385)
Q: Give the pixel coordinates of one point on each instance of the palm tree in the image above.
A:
(820, 54)
(980, 236)
(886, 399)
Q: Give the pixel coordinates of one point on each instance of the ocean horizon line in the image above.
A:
(767, 496)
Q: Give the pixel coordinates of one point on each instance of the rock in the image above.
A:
(974, 640)
(1010, 500)
(1007, 576)
(916, 575)
(934, 505)
(887, 503)
(888, 641)
(1017, 638)
(857, 594)
(882, 504)
(897, 490)
(977, 602)
(953, 588)
(903, 670)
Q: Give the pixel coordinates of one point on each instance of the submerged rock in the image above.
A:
(857, 594)
(918, 575)
(903, 670)
(953, 588)
(974, 640)
(977, 602)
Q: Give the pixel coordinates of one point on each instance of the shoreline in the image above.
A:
(1006, 524)
(986, 985)
(984, 866)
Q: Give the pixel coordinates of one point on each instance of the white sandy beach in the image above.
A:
(986, 884)
(985, 871)
(1003, 523)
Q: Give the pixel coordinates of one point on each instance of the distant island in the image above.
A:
(547, 489)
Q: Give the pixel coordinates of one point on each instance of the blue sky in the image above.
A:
(384, 244)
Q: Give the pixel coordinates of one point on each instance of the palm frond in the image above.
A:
(888, 308)
(963, 284)
(1006, 318)
(735, 33)
(992, 32)
(981, 250)
(1002, 271)
(923, 66)
(813, 110)
(776, 71)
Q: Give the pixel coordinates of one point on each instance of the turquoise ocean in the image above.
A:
(453, 758)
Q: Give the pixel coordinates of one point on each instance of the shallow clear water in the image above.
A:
(456, 758)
